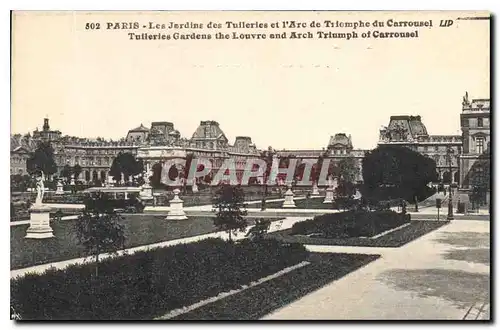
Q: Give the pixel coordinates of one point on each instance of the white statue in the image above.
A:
(40, 189)
(330, 180)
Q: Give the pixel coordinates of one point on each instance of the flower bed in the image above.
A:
(351, 224)
(148, 284)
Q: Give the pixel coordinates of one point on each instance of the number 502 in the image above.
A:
(92, 26)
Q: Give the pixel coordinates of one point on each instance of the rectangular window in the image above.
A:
(480, 122)
(479, 145)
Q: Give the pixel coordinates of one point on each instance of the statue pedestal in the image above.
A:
(39, 222)
(176, 208)
(146, 192)
(329, 196)
(289, 202)
(60, 190)
(315, 190)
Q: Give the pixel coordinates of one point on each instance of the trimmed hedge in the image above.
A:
(148, 284)
(358, 223)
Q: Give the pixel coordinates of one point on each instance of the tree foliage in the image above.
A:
(127, 165)
(397, 172)
(77, 169)
(99, 229)
(348, 169)
(42, 160)
(155, 179)
(229, 205)
(66, 172)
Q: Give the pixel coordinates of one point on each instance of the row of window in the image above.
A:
(97, 151)
(84, 161)
(475, 122)
(436, 148)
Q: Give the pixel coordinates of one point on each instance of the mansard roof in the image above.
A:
(340, 139)
(411, 124)
(209, 130)
(141, 128)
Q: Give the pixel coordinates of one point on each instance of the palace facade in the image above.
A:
(461, 159)
(410, 132)
(467, 155)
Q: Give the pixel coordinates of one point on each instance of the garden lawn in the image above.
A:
(256, 302)
(139, 230)
(396, 238)
(147, 284)
(206, 199)
(313, 203)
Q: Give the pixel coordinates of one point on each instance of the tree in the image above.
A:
(258, 231)
(230, 209)
(42, 160)
(16, 181)
(397, 172)
(348, 169)
(99, 229)
(66, 172)
(344, 194)
(126, 164)
(77, 169)
(156, 177)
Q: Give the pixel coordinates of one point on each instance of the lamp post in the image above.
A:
(450, 204)
(268, 157)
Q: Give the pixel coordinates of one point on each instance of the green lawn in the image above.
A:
(256, 302)
(396, 238)
(139, 230)
(312, 203)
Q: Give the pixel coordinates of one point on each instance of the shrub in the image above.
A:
(149, 283)
(359, 223)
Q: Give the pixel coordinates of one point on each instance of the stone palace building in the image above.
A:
(468, 154)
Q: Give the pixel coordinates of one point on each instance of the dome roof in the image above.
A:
(409, 125)
(340, 140)
(141, 128)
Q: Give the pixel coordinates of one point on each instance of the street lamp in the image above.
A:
(450, 204)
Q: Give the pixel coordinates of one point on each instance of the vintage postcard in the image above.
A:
(250, 165)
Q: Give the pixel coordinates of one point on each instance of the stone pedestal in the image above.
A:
(146, 190)
(59, 190)
(39, 222)
(289, 202)
(329, 195)
(146, 193)
(176, 208)
(315, 190)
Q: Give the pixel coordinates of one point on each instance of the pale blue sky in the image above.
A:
(285, 93)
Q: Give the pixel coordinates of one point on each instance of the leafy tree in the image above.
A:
(99, 229)
(16, 181)
(397, 172)
(66, 172)
(156, 177)
(77, 170)
(42, 160)
(348, 169)
(229, 205)
(126, 164)
(344, 195)
(258, 231)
